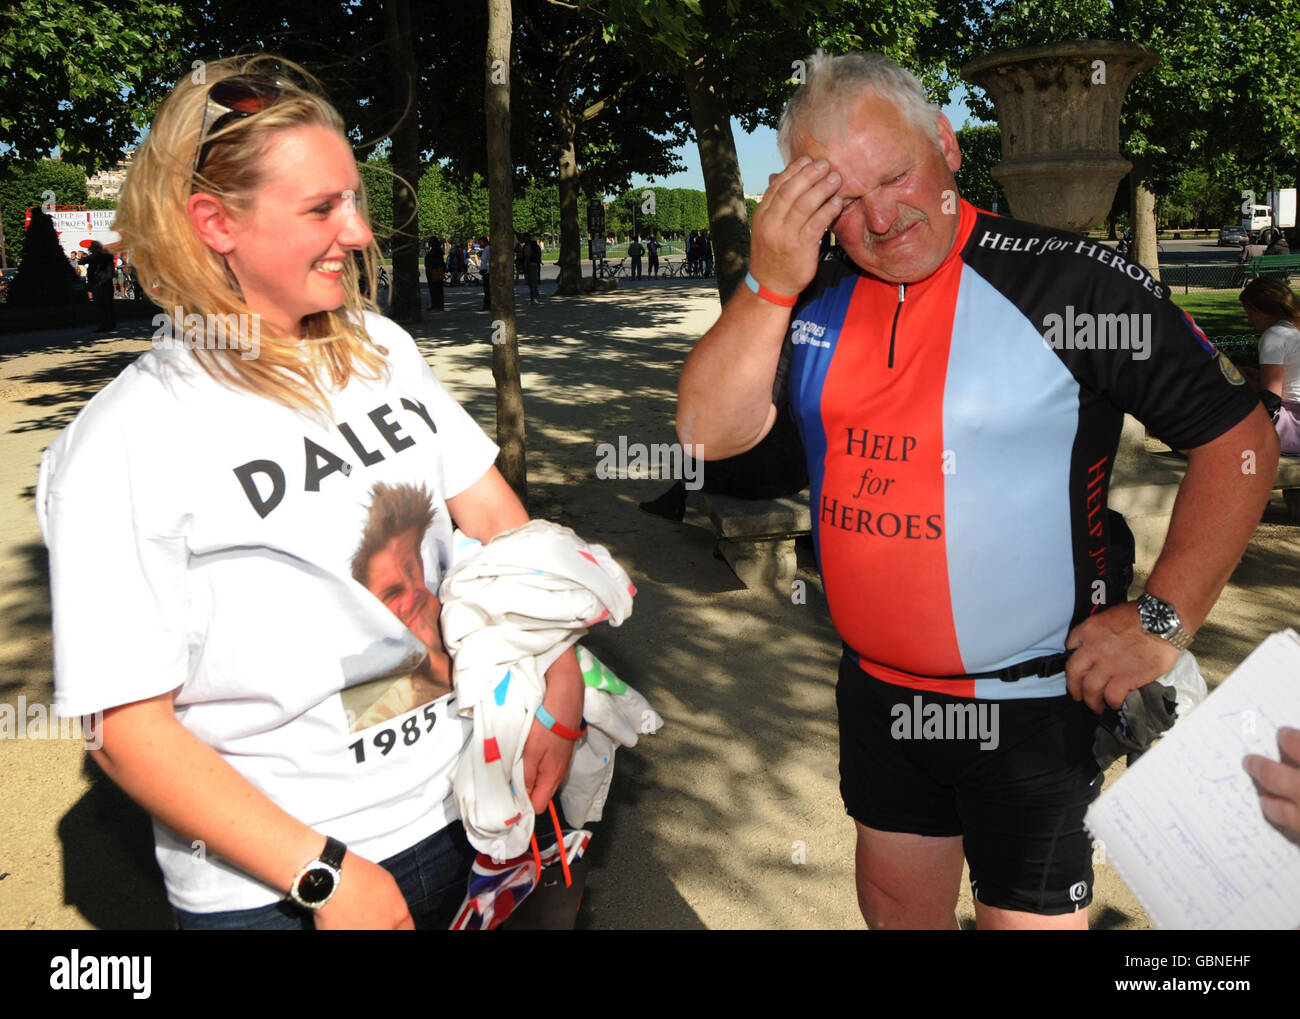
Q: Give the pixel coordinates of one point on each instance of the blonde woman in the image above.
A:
(203, 511)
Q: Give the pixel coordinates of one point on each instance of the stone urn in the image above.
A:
(1058, 107)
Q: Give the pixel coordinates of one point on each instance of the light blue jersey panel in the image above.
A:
(1009, 422)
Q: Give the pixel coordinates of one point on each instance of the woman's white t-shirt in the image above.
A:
(201, 541)
(1280, 344)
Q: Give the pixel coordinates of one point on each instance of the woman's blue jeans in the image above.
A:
(433, 876)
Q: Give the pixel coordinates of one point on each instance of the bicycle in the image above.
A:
(1125, 247)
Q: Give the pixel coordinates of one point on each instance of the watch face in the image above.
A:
(1158, 616)
(316, 885)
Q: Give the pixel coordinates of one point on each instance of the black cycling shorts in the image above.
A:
(1013, 778)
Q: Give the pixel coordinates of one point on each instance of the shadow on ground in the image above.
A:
(109, 873)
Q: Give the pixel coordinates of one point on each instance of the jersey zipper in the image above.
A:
(893, 330)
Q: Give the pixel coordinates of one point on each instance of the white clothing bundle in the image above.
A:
(510, 609)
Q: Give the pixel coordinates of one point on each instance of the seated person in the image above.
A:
(1274, 241)
(1273, 308)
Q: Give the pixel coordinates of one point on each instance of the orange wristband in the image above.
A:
(780, 300)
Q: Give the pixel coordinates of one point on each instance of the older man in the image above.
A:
(959, 382)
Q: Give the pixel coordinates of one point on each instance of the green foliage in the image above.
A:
(24, 184)
(1227, 85)
(677, 211)
(758, 41)
(82, 75)
(377, 177)
(537, 209)
(981, 150)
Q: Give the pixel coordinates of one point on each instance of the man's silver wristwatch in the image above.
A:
(317, 882)
(1161, 619)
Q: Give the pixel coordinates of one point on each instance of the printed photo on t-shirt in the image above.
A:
(389, 565)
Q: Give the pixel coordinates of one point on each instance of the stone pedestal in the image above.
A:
(1058, 107)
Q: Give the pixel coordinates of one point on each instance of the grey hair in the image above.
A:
(833, 82)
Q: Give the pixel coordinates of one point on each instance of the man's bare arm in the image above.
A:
(724, 400)
(1218, 505)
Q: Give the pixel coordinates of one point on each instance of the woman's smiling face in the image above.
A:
(291, 246)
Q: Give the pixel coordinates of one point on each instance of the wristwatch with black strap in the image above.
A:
(1160, 619)
(317, 882)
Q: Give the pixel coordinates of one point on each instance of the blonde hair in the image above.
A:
(177, 269)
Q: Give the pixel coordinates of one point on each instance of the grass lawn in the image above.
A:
(1220, 316)
(1217, 314)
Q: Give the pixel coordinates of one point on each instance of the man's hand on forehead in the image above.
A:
(800, 204)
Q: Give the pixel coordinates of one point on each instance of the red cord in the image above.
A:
(564, 850)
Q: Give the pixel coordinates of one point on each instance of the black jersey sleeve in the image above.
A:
(1115, 328)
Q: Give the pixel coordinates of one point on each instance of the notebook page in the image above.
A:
(1183, 826)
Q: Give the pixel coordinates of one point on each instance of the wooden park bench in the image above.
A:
(1284, 266)
(756, 536)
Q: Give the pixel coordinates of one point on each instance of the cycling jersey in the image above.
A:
(961, 432)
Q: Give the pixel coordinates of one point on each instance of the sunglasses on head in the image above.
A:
(233, 99)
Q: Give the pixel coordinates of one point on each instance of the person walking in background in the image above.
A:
(100, 271)
(634, 251)
(532, 266)
(435, 272)
(652, 256)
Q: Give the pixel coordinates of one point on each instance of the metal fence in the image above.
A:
(1240, 348)
(1219, 276)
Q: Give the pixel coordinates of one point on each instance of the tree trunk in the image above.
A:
(405, 302)
(1144, 220)
(570, 213)
(512, 461)
(723, 188)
